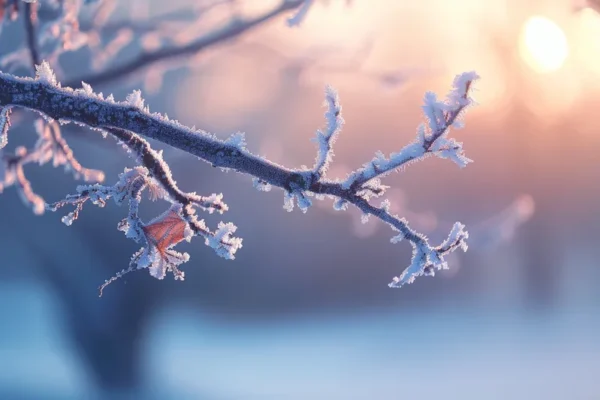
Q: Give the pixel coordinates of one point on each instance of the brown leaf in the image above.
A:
(166, 232)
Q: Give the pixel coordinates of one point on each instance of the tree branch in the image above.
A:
(30, 18)
(131, 119)
(228, 32)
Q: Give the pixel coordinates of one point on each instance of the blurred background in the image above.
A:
(304, 312)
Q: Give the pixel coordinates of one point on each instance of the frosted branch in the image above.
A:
(4, 126)
(326, 139)
(129, 120)
(431, 138)
(234, 28)
(63, 26)
(50, 146)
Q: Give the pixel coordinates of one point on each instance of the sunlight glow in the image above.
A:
(586, 46)
(543, 45)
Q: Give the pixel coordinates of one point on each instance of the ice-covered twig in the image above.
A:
(431, 138)
(163, 232)
(160, 235)
(326, 139)
(131, 119)
(160, 171)
(14, 175)
(50, 146)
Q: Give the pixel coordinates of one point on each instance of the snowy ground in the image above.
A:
(448, 353)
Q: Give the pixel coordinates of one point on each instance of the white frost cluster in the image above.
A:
(135, 99)
(224, 234)
(426, 259)
(237, 140)
(44, 73)
(160, 235)
(299, 198)
(261, 185)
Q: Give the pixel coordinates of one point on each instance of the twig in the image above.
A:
(30, 18)
(228, 32)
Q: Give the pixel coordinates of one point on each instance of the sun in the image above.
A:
(543, 45)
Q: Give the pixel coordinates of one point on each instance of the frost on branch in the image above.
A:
(159, 236)
(325, 140)
(50, 146)
(365, 183)
(129, 121)
(426, 259)
(44, 73)
(431, 138)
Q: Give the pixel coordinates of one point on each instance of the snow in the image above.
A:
(44, 73)
(135, 99)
